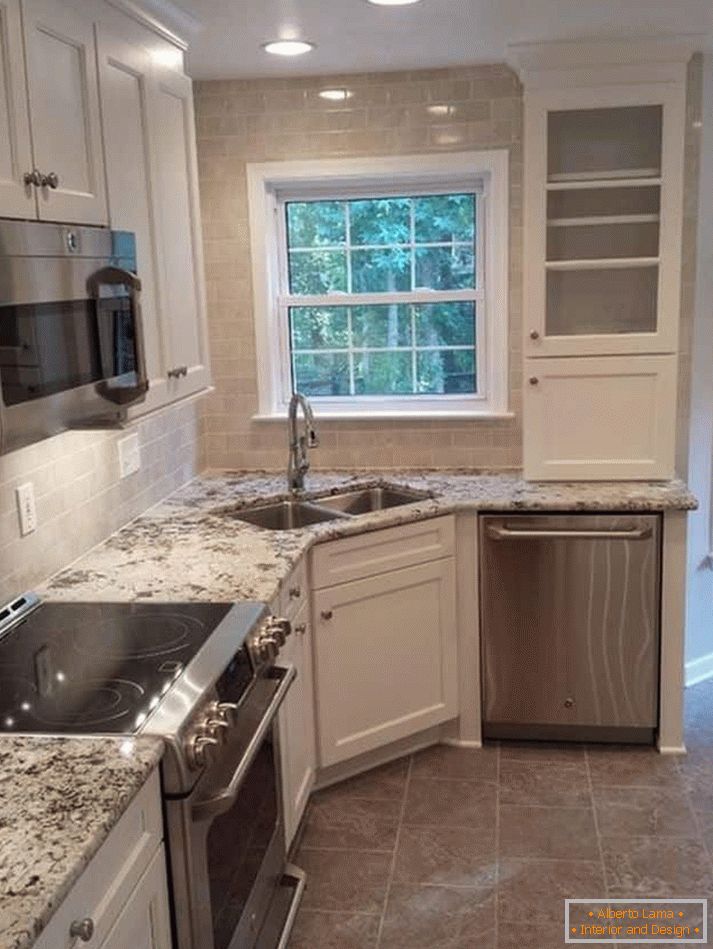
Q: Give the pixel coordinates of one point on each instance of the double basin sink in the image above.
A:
(294, 514)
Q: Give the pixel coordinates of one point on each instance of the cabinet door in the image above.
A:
(297, 730)
(182, 282)
(64, 110)
(385, 654)
(125, 78)
(603, 218)
(144, 921)
(609, 418)
(16, 198)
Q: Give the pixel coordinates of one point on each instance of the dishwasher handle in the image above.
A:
(510, 533)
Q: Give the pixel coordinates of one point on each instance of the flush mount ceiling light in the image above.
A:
(288, 47)
(393, 3)
(335, 95)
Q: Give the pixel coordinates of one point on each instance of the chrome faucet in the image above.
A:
(298, 465)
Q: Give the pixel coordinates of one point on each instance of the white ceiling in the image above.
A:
(353, 35)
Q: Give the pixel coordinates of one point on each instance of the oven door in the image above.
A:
(226, 838)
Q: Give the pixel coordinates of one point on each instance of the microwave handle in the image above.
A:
(220, 803)
(118, 276)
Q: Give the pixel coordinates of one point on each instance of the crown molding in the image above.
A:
(164, 17)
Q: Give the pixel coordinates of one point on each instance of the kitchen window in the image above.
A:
(382, 292)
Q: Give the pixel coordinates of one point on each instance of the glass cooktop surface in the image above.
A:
(83, 668)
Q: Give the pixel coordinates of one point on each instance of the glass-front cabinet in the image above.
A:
(603, 221)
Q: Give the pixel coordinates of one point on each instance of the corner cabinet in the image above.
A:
(604, 164)
(385, 642)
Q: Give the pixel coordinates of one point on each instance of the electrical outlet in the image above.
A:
(26, 509)
(129, 455)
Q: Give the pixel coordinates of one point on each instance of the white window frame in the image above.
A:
(271, 183)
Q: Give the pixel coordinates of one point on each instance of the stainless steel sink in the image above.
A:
(363, 500)
(286, 515)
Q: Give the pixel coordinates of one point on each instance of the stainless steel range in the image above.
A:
(203, 677)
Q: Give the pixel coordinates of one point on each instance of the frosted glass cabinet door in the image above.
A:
(603, 218)
(64, 111)
(16, 198)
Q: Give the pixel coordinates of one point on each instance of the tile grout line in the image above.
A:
(392, 869)
(596, 823)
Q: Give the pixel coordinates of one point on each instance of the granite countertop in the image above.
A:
(191, 547)
(59, 798)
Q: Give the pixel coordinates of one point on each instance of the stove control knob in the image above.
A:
(225, 711)
(217, 728)
(267, 647)
(279, 629)
(199, 750)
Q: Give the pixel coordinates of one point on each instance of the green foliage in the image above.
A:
(386, 249)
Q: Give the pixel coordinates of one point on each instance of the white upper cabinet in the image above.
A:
(182, 286)
(603, 220)
(125, 79)
(16, 198)
(63, 96)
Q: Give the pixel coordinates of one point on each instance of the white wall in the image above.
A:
(699, 628)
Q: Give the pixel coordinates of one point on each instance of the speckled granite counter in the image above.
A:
(59, 798)
(190, 546)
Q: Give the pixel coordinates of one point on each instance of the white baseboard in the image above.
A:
(698, 670)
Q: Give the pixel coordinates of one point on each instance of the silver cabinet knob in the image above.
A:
(177, 372)
(569, 703)
(295, 592)
(534, 334)
(51, 180)
(82, 929)
(534, 380)
(301, 629)
(33, 177)
(327, 614)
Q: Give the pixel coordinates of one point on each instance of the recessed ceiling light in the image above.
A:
(288, 47)
(393, 3)
(440, 109)
(335, 95)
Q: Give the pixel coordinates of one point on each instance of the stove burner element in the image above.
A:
(144, 636)
(92, 702)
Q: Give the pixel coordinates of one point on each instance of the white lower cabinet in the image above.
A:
(385, 657)
(600, 418)
(144, 922)
(296, 725)
(122, 896)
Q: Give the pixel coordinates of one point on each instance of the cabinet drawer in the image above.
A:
(368, 555)
(106, 884)
(295, 592)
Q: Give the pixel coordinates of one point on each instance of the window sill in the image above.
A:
(485, 416)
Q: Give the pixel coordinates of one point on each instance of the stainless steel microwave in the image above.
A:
(71, 338)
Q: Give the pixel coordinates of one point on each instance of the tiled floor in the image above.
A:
(456, 849)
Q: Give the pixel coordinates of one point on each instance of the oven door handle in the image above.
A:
(220, 803)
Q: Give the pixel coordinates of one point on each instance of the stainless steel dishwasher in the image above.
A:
(569, 607)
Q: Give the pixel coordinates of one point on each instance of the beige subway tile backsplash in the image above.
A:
(388, 113)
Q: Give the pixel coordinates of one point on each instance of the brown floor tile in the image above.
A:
(697, 774)
(386, 782)
(467, 764)
(451, 804)
(521, 936)
(705, 822)
(546, 782)
(315, 930)
(346, 881)
(643, 812)
(454, 856)
(554, 833)
(351, 824)
(535, 890)
(620, 766)
(542, 751)
(656, 866)
(438, 917)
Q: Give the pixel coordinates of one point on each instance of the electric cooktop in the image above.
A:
(98, 668)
